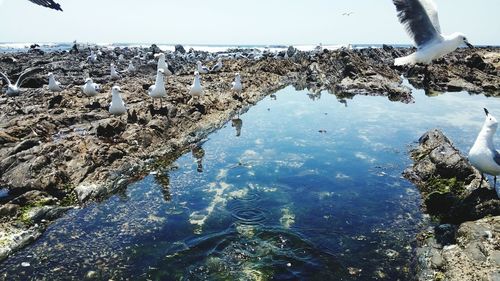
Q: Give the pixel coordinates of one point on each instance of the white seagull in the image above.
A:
(201, 69)
(236, 85)
(196, 90)
(158, 91)
(54, 86)
(162, 64)
(117, 106)
(90, 88)
(483, 154)
(14, 90)
(131, 67)
(420, 19)
(114, 73)
(92, 58)
(217, 66)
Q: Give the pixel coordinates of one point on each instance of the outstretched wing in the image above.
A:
(4, 77)
(417, 22)
(431, 9)
(47, 3)
(27, 73)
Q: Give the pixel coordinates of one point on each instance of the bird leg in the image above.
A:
(426, 76)
(481, 182)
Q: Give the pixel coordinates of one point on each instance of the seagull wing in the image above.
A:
(496, 157)
(415, 18)
(27, 73)
(48, 4)
(431, 9)
(4, 77)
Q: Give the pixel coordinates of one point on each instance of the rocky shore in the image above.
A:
(60, 150)
(464, 245)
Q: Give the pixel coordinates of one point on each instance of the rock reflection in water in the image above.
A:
(198, 154)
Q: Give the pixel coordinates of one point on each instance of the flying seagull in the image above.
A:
(14, 89)
(48, 4)
(483, 154)
(420, 19)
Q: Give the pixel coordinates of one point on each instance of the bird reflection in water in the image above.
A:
(198, 154)
(163, 179)
(237, 123)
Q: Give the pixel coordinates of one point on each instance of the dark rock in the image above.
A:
(180, 49)
(8, 210)
(110, 127)
(154, 49)
(55, 100)
(291, 51)
(476, 61)
(25, 145)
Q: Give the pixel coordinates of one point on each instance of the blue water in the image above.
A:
(310, 190)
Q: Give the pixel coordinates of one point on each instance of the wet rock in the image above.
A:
(85, 191)
(467, 248)
(8, 210)
(448, 182)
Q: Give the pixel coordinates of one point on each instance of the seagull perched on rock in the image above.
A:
(14, 90)
(162, 64)
(90, 89)
(217, 66)
(117, 106)
(131, 67)
(92, 58)
(196, 90)
(236, 85)
(114, 72)
(158, 91)
(483, 154)
(420, 19)
(48, 4)
(54, 86)
(201, 69)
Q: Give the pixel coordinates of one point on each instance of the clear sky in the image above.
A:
(235, 22)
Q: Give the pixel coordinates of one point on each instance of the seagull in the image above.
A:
(483, 154)
(158, 89)
(13, 90)
(90, 88)
(347, 13)
(131, 67)
(162, 64)
(54, 86)
(236, 85)
(117, 106)
(237, 123)
(92, 58)
(201, 69)
(48, 4)
(217, 66)
(420, 19)
(114, 73)
(196, 90)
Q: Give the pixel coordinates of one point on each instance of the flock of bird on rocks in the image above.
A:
(419, 18)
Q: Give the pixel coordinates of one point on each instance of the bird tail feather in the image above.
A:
(405, 60)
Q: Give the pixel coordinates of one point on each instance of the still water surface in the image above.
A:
(301, 186)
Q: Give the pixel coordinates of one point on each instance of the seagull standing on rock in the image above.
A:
(162, 64)
(131, 67)
(196, 90)
(14, 90)
(54, 86)
(201, 69)
(236, 85)
(420, 19)
(218, 66)
(114, 73)
(90, 88)
(483, 154)
(158, 91)
(92, 58)
(117, 106)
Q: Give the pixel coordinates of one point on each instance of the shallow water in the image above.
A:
(311, 189)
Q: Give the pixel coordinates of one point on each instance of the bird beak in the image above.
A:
(486, 111)
(469, 45)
